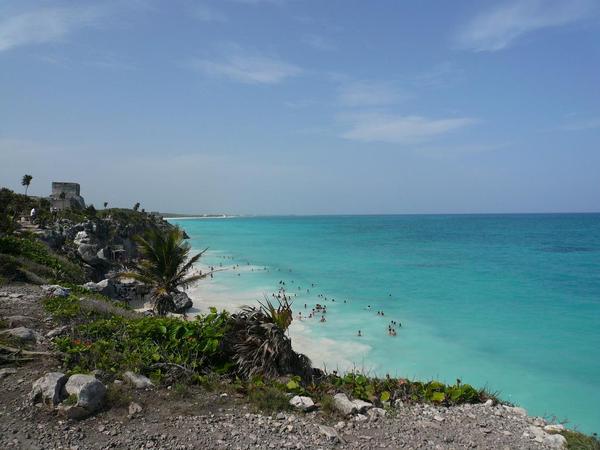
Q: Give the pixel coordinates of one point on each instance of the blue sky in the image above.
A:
(305, 107)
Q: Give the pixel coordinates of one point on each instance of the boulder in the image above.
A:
(89, 253)
(90, 393)
(105, 287)
(57, 331)
(362, 406)
(375, 413)
(22, 334)
(554, 428)
(18, 321)
(54, 290)
(303, 403)
(557, 441)
(138, 381)
(182, 302)
(343, 405)
(81, 237)
(49, 389)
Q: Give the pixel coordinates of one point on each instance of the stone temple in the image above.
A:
(71, 197)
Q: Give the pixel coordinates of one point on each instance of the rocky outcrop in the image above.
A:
(125, 290)
(101, 244)
(182, 302)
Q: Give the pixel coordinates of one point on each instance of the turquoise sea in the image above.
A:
(511, 302)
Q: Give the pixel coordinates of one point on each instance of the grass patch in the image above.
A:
(118, 396)
(62, 308)
(74, 308)
(580, 441)
(328, 405)
(268, 399)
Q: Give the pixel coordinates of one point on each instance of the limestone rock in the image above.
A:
(330, 433)
(554, 428)
(57, 331)
(375, 413)
(138, 381)
(303, 403)
(18, 321)
(182, 302)
(7, 371)
(49, 389)
(557, 441)
(22, 334)
(362, 406)
(54, 290)
(90, 395)
(343, 405)
(134, 408)
(517, 411)
(89, 253)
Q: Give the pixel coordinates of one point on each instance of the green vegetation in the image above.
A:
(29, 259)
(148, 345)
(118, 396)
(260, 346)
(26, 181)
(267, 398)
(580, 441)
(164, 265)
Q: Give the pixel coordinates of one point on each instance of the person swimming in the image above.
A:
(322, 318)
(359, 334)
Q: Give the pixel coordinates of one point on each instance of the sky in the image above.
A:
(305, 106)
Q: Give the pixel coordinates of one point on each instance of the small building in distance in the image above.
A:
(66, 195)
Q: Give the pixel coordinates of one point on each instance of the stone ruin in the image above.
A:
(71, 197)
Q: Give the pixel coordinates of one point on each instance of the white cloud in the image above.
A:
(44, 25)
(361, 93)
(375, 127)
(248, 68)
(319, 42)
(501, 26)
(582, 124)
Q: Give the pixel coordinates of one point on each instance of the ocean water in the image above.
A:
(511, 302)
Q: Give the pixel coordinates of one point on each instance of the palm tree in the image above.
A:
(63, 196)
(26, 181)
(258, 344)
(164, 265)
(136, 206)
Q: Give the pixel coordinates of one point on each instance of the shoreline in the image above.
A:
(325, 353)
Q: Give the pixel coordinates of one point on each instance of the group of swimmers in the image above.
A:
(319, 309)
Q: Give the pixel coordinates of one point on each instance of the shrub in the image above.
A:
(34, 256)
(147, 345)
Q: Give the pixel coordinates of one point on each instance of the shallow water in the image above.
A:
(506, 301)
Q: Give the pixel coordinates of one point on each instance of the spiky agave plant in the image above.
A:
(259, 345)
(164, 264)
